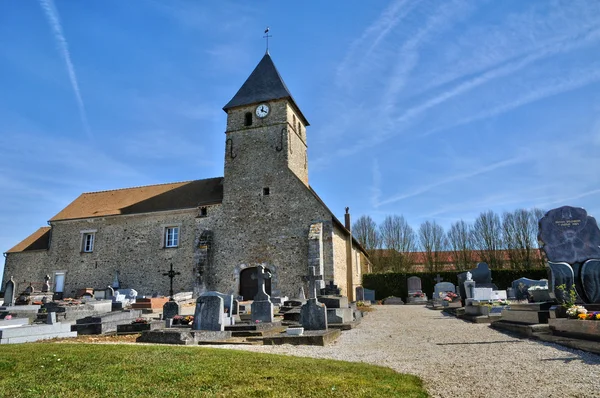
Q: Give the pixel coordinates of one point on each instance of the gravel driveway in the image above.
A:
(457, 358)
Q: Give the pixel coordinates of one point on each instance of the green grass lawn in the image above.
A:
(102, 370)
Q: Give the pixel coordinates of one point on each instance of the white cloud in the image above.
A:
(63, 48)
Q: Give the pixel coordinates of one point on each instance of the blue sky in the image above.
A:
(435, 110)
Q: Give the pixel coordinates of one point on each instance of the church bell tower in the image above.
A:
(265, 137)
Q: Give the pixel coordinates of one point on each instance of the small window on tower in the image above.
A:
(299, 128)
(266, 191)
(248, 119)
(294, 120)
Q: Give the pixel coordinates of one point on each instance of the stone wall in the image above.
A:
(339, 260)
(133, 245)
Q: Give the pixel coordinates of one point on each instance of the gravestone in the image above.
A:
(170, 309)
(481, 275)
(413, 284)
(441, 288)
(227, 306)
(468, 287)
(482, 293)
(209, 314)
(301, 294)
(29, 289)
(499, 295)
(369, 295)
(360, 293)
(9, 293)
(415, 294)
(313, 315)
(571, 242)
(521, 285)
(262, 307)
(46, 285)
(109, 293)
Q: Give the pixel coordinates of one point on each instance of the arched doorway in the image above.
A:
(249, 284)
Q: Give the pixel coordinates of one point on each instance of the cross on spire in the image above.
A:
(171, 274)
(266, 36)
(312, 282)
(261, 275)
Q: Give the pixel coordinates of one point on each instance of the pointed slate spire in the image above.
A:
(264, 84)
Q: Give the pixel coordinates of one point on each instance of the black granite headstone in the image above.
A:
(482, 275)
(521, 285)
(569, 235)
(571, 242)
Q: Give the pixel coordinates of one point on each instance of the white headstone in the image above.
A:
(499, 295)
(482, 293)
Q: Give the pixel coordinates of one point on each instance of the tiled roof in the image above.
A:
(264, 84)
(146, 199)
(36, 241)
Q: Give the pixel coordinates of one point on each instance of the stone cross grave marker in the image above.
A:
(313, 315)
(262, 307)
(261, 275)
(9, 292)
(171, 274)
(438, 278)
(312, 282)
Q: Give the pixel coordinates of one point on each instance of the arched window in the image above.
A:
(248, 119)
(299, 128)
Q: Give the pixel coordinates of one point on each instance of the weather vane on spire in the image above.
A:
(266, 36)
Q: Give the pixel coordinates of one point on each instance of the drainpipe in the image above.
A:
(349, 268)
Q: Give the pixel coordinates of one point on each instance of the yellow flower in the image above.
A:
(581, 316)
(598, 316)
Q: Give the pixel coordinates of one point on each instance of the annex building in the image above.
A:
(214, 231)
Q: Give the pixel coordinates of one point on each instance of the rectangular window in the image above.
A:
(88, 242)
(171, 236)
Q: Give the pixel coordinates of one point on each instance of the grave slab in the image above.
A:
(309, 337)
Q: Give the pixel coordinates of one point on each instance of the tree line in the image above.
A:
(508, 241)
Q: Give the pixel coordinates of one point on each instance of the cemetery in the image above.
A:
(524, 310)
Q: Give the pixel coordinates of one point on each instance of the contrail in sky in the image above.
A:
(63, 48)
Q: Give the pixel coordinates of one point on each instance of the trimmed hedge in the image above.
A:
(394, 284)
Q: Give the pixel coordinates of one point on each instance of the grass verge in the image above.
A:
(102, 370)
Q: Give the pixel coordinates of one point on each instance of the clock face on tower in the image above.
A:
(262, 110)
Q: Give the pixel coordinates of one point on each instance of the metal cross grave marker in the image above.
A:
(171, 274)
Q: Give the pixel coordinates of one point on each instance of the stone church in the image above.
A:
(214, 231)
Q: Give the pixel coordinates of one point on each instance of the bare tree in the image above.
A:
(460, 242)
(365, 230)
(433, 243)
(399, 239)
(536, 215)
(520, 235)
(487, 238)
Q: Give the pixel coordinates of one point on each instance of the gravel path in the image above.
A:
(457, 358)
